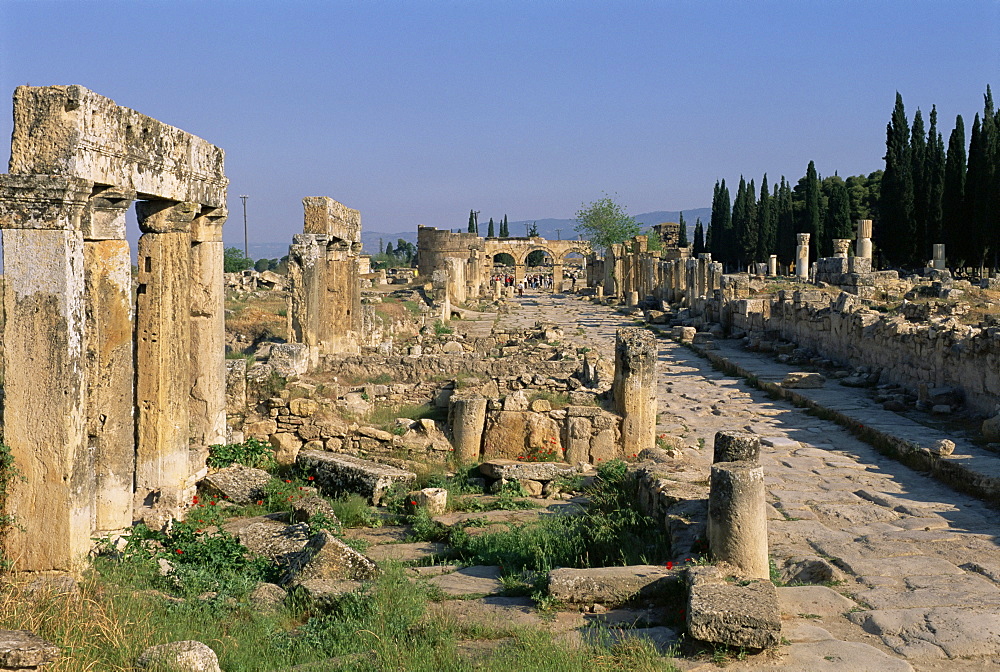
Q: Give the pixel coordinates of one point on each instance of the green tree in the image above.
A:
(699, 238)
(837, 218)
(262, 265)
(682, 238)
(767, 229)
(745, 224)
(934, 166)
(893, 232)
(472, 221)
(785, 216)
(605, 222)
(388, 250)
(489, 231)
(953, 197)
(234, 261)
(811, 222)
(917, 226)
(976, 182)
(504, 231)
(721, 226)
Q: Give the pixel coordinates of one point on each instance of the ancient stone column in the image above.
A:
(840, 247)
(940, 262)
(307, 267)
(467, 417)
(632, 298)
(772, 265)
(110, 357)
(208, 330)
(45, 385)
(737, 519)
(802, 256)
(497, 289)
(163, 354)
(519, 272)
(599, 291)
(736, 446)
(864, 244)
(634, 387)
(557, 278)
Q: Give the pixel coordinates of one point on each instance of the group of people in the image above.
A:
(533, 281)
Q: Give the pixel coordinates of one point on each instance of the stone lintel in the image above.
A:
(72, 131)
(43, 202)
(166, 216)
(326, 216)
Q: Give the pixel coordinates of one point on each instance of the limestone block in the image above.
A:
(532, 488)
(578, 432)
(511, 470)
(240, 484)
(326, 557)
(634, 386)
(309, 506)
(803, 380)
(541, 406)
(286, 448)
(325, 216)
(185, 656)
(516, 401)
(943, 447)
(21, 649)
(289, 358)
(260, 430)
(612, 585)
(267, 596)
(467, 416)
(544, 434)
(736, 446)
(303, 407)
(452, 348)
(337, 473)
(734, 615)
(505, 434)
(274, 540)
(435, 500)
(605, 445)
(70, 130)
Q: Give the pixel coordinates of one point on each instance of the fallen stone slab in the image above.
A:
(323, 592)
(734, 614)
(829, 655)
(512, 470)
(406, 552)
(337, 473)
(274, 540)
(612, 585)
(313, 505)
(239, 484)
(796, 601)
(326, 557)
(476, 580)
(22, 649)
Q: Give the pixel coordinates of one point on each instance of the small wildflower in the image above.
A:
(311, 478)
(412, 503)
(288, 480)
(195, 500)
(180, 552)
(670, 564)
(212, 503)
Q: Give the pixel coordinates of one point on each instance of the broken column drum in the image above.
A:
(939, 262)
(735, 446)
(468, 421)
(634, 387)
(802, 256)
(863, 248)
(840, 247)
(772, 265)
(737, 519)
(78, 430)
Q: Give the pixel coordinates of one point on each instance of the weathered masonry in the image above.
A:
(323, 280)
(110, 401)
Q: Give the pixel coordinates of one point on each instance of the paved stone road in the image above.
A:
(918, 562)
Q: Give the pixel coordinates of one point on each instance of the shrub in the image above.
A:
(250, 453)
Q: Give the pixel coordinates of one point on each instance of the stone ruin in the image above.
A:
(110, 402)
(324, 264)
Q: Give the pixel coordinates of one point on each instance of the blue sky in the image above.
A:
(417, 112)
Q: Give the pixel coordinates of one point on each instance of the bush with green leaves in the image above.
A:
(250, 453)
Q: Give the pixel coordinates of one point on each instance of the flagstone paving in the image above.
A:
(917, 560)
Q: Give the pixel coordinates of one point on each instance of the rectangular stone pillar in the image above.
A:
(110, 357)
(163, 353)
(634, 387)
(207, 403)
(307, 286)
(772, 265)
(557, 278)
(45, 384)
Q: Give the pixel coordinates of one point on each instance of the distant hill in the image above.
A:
(547, 228)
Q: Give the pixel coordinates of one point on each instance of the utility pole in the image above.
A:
(246, 244)
(475, 218)
(558, 234)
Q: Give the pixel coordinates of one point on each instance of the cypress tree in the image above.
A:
(682, 239)
(766, 224)
(837, 222)
(504, 230)
(896, 199)
(953, 197)
(708, 238)
(711, 241)
(741, 224)
(472, 221)
(917, 225)
(489, 230)
(934, 166)
(811, 222)
(974, 239)
(699, 238)
(725, 233)
(785, 215)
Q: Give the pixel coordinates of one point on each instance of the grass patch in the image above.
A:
(250, 453)
(384, 417)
